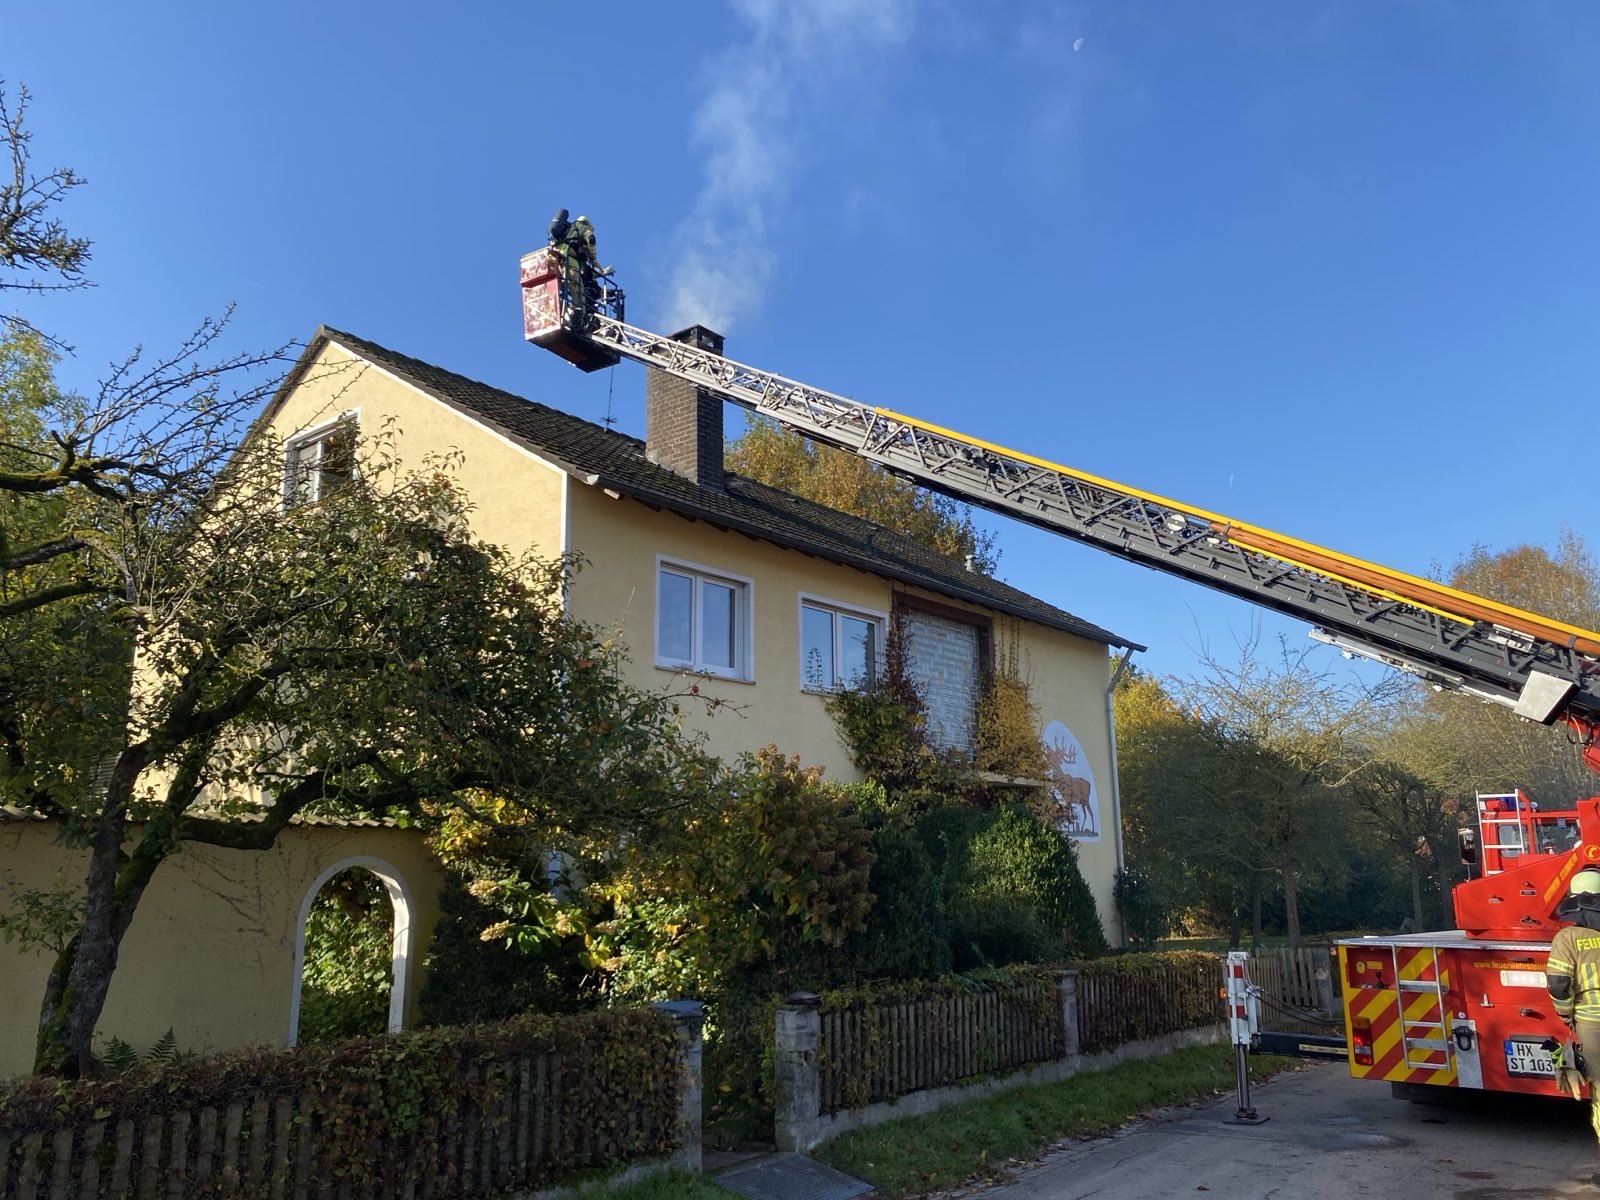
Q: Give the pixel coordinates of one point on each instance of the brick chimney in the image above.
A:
(683, 422)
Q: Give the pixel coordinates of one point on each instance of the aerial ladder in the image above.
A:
(1417, 1006)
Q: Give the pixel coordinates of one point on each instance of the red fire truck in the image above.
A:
(1457, 1008)
(1468, 1007)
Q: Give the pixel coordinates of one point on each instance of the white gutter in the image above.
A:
(1116, 787)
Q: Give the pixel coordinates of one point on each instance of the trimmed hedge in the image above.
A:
(384, 1107)
(1129, 997)
(1016, 977)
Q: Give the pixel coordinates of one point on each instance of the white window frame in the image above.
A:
(811, 600)
(744, 608)
(315, 438)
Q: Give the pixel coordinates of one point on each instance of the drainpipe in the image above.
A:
(1116, 787)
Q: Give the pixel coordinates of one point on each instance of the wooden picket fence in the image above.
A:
(872, 1052)
(1289, 978)
(269, 1147)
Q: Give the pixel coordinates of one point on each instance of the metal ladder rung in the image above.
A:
(1421, 985)
(1425, 1044)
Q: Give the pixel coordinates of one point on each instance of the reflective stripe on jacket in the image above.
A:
(1575, 959)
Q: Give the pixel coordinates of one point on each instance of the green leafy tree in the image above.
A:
(361, 655)
(341, 654)
(1188, 826)
(1414, 821)
(349, 958)
(784, 459)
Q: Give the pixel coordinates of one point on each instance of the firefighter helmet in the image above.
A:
(1584, 883)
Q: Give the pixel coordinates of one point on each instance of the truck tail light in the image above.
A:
(1361, 1041)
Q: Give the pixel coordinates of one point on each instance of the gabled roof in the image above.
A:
(605, 458)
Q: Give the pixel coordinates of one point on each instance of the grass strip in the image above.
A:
(672, 1185)
(915, 1155)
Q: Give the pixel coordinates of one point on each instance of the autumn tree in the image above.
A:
(784, 459)
(1462, 746)
(36, 250)
(1288, 726)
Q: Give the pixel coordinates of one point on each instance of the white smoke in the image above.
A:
(748, 126)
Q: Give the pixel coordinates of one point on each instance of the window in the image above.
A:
(946, 653)
(319, 462)
(839, 647)
(702, 621)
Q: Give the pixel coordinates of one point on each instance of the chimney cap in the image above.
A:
(700, 338)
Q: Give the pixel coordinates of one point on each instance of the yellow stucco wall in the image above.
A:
(518, 498)
(210, 953)
(616, 589)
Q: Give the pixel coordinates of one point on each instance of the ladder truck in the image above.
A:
(1460, 1008)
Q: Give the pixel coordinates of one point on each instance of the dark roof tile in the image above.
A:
(618, 461)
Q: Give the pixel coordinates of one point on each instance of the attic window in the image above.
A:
(319, 462)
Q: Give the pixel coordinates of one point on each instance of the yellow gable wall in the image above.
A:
(616, 589)
(522, 504)
(210, 953)
(518, 497)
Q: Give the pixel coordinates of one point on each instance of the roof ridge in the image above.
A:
(593, 452)
(368, 343)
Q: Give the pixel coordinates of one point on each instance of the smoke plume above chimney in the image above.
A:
(749, 129)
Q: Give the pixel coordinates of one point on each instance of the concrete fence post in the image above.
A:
(797, 1097)
(690, 1018)
(1067, 983)
(1324, 978)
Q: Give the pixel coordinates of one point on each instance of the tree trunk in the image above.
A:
(1441, 875)
(1416, 894)
(1291, 904)
(75, 993)
(1255, 912)
(1235, 923)
(81, 977)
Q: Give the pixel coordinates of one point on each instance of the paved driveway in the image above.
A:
(1332, 1136)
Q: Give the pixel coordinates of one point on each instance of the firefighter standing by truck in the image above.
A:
(1573, 976)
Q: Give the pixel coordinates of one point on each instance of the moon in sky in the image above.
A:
(1078, 45)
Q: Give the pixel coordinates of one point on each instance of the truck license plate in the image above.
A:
(1529, 1057)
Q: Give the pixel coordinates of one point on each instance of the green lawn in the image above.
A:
(673, 1186)
(918, 1154)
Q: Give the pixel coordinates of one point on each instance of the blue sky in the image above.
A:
(1329, 267)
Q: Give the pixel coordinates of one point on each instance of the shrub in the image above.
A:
(1006, 721)
(1142, 906)
(1132, 996)
(906, 935)
(468, 979)
(779, 863)
(349, 959)
(1013, 891)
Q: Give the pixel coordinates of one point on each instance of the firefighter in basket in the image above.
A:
(572, 243)
(1573, 976)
